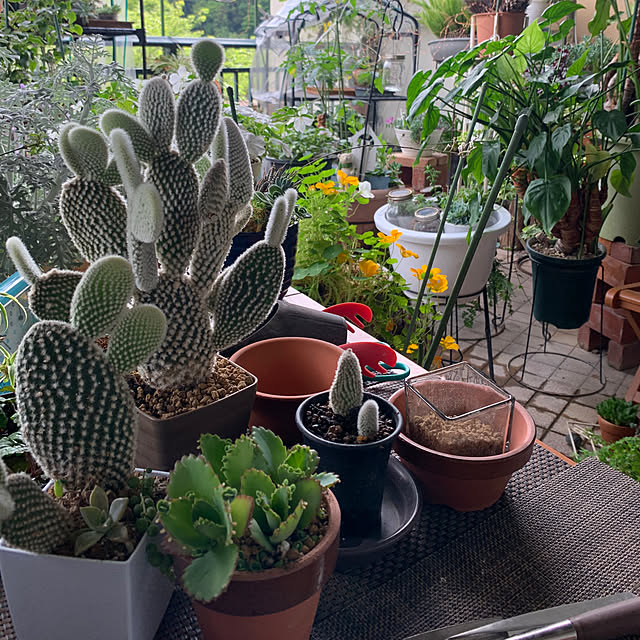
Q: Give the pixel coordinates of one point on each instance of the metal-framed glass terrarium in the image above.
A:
(460, 411)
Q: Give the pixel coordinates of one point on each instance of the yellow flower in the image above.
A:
(326, 187)
(437, 281)
(391, 238)
(389, 326)
(449, 343)
(419, 273)
(411, 348)
(437, 360)
(346, 180)
(406, 253)
(342, 257)
(368, 268)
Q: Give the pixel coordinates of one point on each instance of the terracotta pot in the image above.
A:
(509, 24)
(277, 603)
(611, 432)
(466, 483)
(162, 441)
(362, 468)
(289, 370)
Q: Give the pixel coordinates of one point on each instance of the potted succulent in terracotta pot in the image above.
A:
(463, 436)
(176, 231)
(497, 19)
(617, 418)
(353, 431)
(72, 557)
(254, 532)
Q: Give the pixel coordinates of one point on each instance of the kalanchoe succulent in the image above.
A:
(76, 412)
(254, 486)
(174, 220)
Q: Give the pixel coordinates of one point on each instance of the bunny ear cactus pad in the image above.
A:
(76, 411)
(93, 213)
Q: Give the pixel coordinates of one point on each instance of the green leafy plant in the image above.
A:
(618, 411)
(466, 207)
(569, 148)
(252, 487)
(623, 455)
(445, 18)
(110, 11)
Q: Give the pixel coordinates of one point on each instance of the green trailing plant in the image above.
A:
(445, 18)
(174, 220)
(103, 521)
(618, 411)
(623, 455)
(76, 411)
(252, 487)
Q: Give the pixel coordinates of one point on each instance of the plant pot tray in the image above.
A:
(401, 505)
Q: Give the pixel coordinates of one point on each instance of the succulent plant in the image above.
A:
(174, 220)
(102, 520)
(76, 411)
(368, 419)
(345, 393)
(254, 486)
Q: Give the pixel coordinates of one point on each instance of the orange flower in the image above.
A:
(389, 326)
(411, 348)
(342, 257)
(391, 238)
(449, 343)
(346, 180)
(326, 187)
(368, 268)
(437, 281)
(406, 253)
(437, 360)
(419, 273)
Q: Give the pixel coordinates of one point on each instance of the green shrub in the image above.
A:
(618, 411)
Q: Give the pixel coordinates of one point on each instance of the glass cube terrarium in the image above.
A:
(458, 410)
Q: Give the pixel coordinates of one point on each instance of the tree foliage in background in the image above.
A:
(178, 21)
(229, 20)
(31, 44)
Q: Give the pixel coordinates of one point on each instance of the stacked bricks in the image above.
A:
(413, 174)
(621, 266)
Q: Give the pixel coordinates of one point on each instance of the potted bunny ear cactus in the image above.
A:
(176, 230)
(255, 533)
(78, 418)
(353, 432)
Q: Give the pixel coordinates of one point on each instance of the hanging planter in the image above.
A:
(563, 288)
(444, 48)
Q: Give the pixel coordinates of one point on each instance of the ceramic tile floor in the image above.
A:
(565, 369)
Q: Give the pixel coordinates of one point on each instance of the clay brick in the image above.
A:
(600, 290)
(414, 175)
(589, 340)
(623, 356)
(624, 252)
(617, 273)
(606, 243)
(615, 325)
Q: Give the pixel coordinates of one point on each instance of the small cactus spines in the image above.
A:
(76, 411)
(368, 420)
(345, 393)
(35, 522)
(175, 229)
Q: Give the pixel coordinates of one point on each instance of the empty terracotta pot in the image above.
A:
(465, 483)
(289, 370)
(508, 24)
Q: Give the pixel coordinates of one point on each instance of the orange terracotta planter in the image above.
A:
(277, 603)
(509, 24)
(289, 370)
(465, 483)
(611, 432)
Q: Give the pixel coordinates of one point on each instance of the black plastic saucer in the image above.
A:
(401, 504)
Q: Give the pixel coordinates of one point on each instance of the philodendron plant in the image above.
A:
(75, 409)
(345, 395)
(174, 229)
(252, 487)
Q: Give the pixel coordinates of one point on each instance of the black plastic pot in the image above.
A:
(563, 288)
(362, 469)
(246, 239)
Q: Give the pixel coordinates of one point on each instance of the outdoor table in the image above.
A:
(560, 533)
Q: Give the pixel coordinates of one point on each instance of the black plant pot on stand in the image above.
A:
(563, 288)
(362, 468)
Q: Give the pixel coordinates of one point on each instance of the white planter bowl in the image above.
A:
(411, 148)
(63, 598)
(450, 254)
